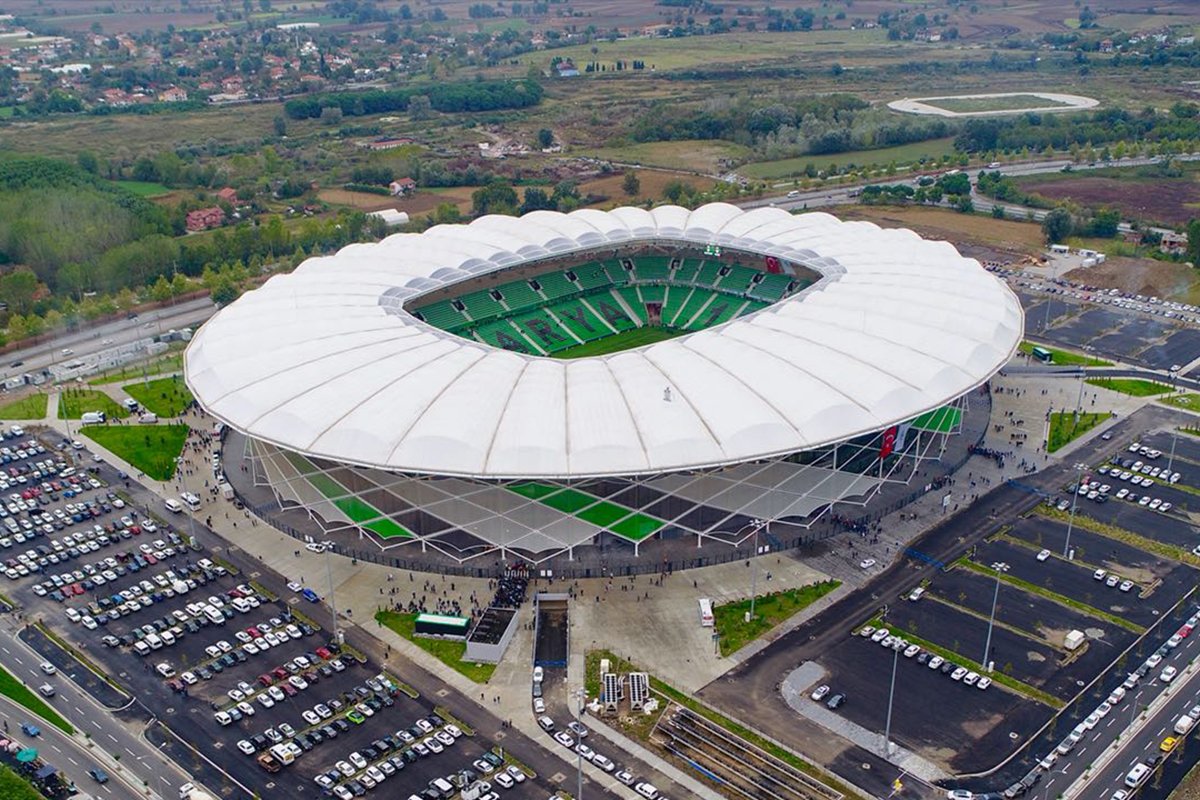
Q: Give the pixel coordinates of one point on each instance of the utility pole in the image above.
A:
(1079, 468)
(887, 729)
(999, 567)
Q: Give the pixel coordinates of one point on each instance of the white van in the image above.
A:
(1136, 776)
(190, 500)
(646, 790)
(154, 642)
(93, 418)
(214, 616)
(1184, 724)
(442, 785)
(149, 418)
(173, 505)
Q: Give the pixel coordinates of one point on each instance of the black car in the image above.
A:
(341, 724)
(837, 701)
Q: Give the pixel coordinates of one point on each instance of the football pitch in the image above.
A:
(625, 340)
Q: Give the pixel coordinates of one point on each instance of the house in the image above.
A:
(1106, 45)
(173, 94)
(567, 69)
(228, 194)
(402, 186)
(204, 218)
(1174, 244)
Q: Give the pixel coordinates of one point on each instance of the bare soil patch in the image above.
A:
(1171, 202)
(1005, 236)
(1140, 276)
(652, 181)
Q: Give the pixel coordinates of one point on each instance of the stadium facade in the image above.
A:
(462, 389)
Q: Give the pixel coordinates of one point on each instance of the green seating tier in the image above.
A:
(579, 319)
(519, 295)
(544, 331)
(686, 273)
(722, 309)
(675, 300)
(591, 276)
(442, 315)
(652, 268)
(737, 280)
(502, 334)
(617, 276)
(481, 306)
(771, 287)
(707, 274)
(556, 285)
(653, 294)
(699, 297)
(634, 300)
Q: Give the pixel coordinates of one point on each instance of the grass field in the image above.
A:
(149, 448)
(625, 340)
(448, 651)
(167, 397)
(942, 223)
(1131, 386)
(932, 149)
(769, 610)
(30, 407)
(19, 693)
(688, 154)
(74, 403)
(144, 188)
(171, 363)
(1188, 401)
(1064, 429)
(1065, 357)
(14, 787)
(974, 105)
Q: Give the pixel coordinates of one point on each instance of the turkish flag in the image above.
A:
(889, 442)
(773, 265)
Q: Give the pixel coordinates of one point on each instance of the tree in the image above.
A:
(225, 292)
(88, 162)
(631, 185)
(17, 288)
(161, 289)
(536, 199)
(280, 126)
(1193, 245)
(545, 138)
(495, 198)
(420, 107)
(1057, 225)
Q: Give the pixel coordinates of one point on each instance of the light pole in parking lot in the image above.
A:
(1079, 468)
(337, 628)
(1000, 567)
(580, 696)
(887, 728)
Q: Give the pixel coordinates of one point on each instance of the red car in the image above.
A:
(280, 673)
(288, 689)
(265, 679)
(324, 653)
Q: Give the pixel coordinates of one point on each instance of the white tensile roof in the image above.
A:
(326, 361)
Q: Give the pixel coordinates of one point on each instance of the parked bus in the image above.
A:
(706, 614)
(1042, 354)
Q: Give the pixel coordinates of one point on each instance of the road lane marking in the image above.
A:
(112, 737)
(73, 761)
(97, 725)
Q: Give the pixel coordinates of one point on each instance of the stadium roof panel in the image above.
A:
(326, 361)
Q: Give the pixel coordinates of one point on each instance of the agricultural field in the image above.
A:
(938, 223)
(689, 156)
(652, 184)
(144, 188)
(1162, 200)
(900, 155)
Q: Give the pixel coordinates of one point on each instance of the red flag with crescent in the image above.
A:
(889, 441)
(773, 265)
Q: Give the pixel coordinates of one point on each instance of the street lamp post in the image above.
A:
(1000, 567)
(758, 525)
(887, 728)
(1079, 468)
(337, 628)
(580, 697)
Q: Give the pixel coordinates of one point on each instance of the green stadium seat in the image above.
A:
(752, 306)
(675, 300)
(501, 333)
(737, 280)
(708, 273)
(481, 306)
(617, 276)
(771, 287)
(607, 308)
(442, 315)
(555, 285)
(580, 320)
(591, 276)
(634, 300)
(723, 308)
(519, 295)
(652, 268)
(698, 300)
(544, 331)
(653, 294)
(686, 272)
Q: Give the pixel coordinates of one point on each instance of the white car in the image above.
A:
(866, 563)
(1043, 555)
(819, 692)
(1168, 674)
(245, 746)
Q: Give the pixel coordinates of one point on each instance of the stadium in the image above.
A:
(532, 387)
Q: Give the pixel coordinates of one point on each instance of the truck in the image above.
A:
(283, 753)
(268, 762)
(1184, 724)
(93, 418)
(148, 418)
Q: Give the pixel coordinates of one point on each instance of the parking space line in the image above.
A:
(112, 737)
(96, 724)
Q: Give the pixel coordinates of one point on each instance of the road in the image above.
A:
(1137, 736)
(85, 340)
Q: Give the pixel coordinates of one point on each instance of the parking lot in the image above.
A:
(242, 675)
(1061, 624)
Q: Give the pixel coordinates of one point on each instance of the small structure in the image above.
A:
(1173, 244)
(490, 638)
(228, 194)
(1073, 639)
(204, 218)
(639, 690)
(391, 217)
(441, 626)
(402, 187)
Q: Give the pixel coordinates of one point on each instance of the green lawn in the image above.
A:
(1131, 386)
(167, 397)
(171, 363)
(1187, 401)
(931, 149)
(1065, 357)
(30, 407)
(974, 105)
(626, 340)
(14, 787)
(150, 448)
(74, 403)
(448, 651)
(144, 188)
(1064, 429)
(19, 693)
(769, 610)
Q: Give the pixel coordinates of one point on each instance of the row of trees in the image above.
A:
(446, 97)
(1062, 131)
